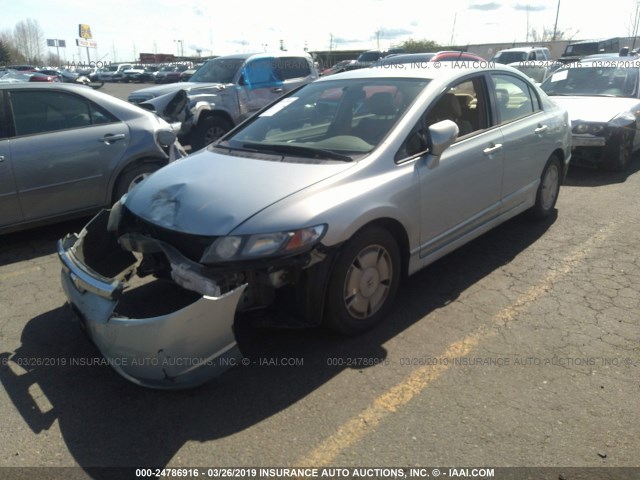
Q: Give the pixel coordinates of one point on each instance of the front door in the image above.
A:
(462, 192)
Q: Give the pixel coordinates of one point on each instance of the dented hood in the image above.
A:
(210, 194)
(171, 106)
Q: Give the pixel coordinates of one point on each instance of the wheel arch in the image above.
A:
(310, 296)
(117, 175)
(397, 230)
(559, 153)
(221, 114)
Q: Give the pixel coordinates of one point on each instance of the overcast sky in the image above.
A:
(122, 28)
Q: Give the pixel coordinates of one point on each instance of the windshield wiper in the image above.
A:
(297, 149)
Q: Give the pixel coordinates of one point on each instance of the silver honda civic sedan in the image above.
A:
(315, 207)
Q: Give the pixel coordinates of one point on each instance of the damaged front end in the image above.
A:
(155, 333)
(160, 304)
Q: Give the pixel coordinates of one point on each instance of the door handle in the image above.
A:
(540, 130)
(277, 90)
(112, 138)
(1, 158)
(493, 149)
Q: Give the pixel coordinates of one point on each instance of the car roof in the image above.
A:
(124, 109)
(405, 58)
(520, 49)
(593, 40)
(277, 54)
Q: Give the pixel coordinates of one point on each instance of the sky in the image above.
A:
(124, 29)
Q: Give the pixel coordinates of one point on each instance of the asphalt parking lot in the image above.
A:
(518, 350)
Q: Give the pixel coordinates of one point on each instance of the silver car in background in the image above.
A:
(317, 206)
(602, 97)
(67, 150)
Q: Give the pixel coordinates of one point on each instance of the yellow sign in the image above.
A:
(85, 31)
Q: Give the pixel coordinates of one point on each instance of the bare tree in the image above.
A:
(29, 40)
(9, 44)
(546, 35)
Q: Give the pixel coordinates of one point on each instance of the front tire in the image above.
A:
(618, 156)
(548, 189)
(364, 282)
(208, 130)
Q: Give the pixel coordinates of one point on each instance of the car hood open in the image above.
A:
(594, 109)
(210, 194)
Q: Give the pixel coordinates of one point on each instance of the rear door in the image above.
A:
(294, 71)
(528, 141)
(9, 204)
(62, 150)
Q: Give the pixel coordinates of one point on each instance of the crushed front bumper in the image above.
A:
(172, 350)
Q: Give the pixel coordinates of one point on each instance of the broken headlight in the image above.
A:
(247, 247)
(592, 128)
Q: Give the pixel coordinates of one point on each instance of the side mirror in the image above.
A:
(442, 135)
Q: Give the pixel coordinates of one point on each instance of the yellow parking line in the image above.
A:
(387, 403)
(401, 394)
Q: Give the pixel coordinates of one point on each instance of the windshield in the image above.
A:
(334, 119)
(593, 81)
(219, 70)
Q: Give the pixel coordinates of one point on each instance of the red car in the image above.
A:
(42, 77)
(454, 56)
(14, 76)
(418, 59)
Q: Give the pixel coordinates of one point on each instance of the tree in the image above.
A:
(29, 40)
(6, 37)
(546, 35)
(419, 46)
(5, 57)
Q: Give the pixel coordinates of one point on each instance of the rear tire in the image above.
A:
(548, 189)
(132, 177)
(364, 282)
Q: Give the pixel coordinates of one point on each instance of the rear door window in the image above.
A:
(288, 68)
(513, 98)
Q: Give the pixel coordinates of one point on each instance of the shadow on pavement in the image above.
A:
(107, 421)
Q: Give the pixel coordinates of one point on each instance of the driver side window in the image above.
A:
(463, 103)
(260, 73)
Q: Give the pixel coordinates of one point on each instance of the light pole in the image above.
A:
(555, 26)
(179, 46)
